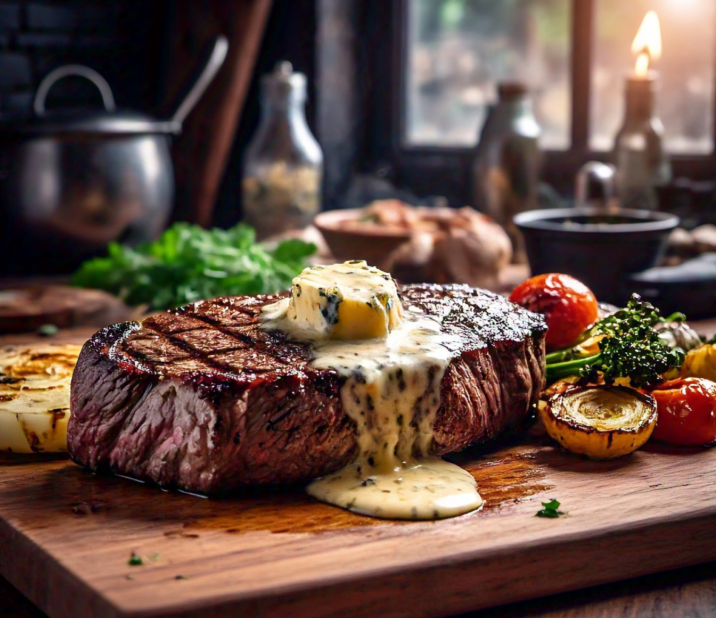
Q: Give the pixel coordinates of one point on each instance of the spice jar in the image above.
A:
(283, 165)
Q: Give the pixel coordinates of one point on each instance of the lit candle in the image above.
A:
(646, 44)
(642, 164)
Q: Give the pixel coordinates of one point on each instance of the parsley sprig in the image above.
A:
(631, 348)
(189, 263)
(550, 509)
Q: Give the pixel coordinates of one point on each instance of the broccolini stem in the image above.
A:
(557, 371)
(559, 356)
(570, 352)
(567, 354)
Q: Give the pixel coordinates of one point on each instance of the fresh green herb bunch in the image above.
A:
(189, 263)
(630, 349)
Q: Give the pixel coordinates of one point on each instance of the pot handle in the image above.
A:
(595, 181)
(211, 68)
(68, 70)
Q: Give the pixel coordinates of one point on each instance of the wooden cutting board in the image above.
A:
(25, 309)
(66, 538)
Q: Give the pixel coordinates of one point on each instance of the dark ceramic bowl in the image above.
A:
(599, 249)
(689, 287)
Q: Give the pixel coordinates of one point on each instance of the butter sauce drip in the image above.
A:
(392, 393)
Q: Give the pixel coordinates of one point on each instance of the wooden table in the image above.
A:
(676, 594)
(684, 592)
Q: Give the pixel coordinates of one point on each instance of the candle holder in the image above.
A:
(642, 164)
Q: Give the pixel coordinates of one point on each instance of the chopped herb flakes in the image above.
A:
(550, 510)
(135, 560)
(47, 330)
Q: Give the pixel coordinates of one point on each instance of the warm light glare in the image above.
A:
(647, 43)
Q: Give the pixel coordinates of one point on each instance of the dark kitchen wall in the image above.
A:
(126, 41)
(121, 39)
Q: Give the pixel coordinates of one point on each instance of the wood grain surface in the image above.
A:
(682, 593)
(67, 537)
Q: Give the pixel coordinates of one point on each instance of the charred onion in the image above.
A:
(601, 422)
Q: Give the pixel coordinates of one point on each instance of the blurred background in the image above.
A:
(273, 113)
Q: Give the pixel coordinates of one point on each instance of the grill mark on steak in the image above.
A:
(243, 340)
(207, 346)
(179, 342)
(203, 399)
(252, 337)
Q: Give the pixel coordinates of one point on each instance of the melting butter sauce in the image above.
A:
(428, 488)
(392, 393)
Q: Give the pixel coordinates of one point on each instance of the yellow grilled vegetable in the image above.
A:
(700, 363)
(601, 422)
(559, 386)
(35, 397)
(563, 384)
(590, 346)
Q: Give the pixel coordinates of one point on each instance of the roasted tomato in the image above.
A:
(687, 411)
(569, 307)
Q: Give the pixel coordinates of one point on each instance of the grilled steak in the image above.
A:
(203, 399)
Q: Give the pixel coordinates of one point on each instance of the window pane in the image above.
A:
(686, 68)
(459, 49)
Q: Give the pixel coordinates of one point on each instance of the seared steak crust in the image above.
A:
(202, 399)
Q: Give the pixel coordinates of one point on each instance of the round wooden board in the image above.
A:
(25, 309)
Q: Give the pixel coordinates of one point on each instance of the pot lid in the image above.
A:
(86, 121)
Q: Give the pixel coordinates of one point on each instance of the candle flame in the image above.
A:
(647, 43)
(642, 65)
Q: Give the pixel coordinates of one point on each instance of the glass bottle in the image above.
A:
(506, 164)
(283, 165)
(642, 163)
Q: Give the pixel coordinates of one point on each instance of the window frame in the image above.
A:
(427, 168)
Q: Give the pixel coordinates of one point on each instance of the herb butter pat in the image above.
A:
(345, 301)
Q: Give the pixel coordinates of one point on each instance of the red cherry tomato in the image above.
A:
(687, 411)
(569, 307)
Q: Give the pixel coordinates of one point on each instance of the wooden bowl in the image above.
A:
(373, 245)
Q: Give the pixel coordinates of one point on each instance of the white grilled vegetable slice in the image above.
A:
(35, 397)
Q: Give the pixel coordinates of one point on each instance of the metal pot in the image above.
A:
(73, 180)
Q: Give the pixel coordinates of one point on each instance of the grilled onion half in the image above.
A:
(35, 397)
(601, 422)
